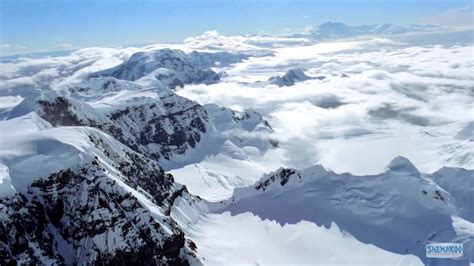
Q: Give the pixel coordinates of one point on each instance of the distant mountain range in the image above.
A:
(333, 30)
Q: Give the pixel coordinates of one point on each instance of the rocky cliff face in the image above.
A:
(112, 209)
(163, 128)
(158, 129)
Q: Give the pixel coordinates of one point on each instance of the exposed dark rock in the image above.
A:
(282, 176)
(172, 128)
(291, 76)
(85, 217)
(160, 129)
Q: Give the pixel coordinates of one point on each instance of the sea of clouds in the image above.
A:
(380, 98)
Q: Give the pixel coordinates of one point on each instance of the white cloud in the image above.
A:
(257, 44)
(57, 71)
(391, 88)
(308, 29)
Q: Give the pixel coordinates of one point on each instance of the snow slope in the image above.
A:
(245, 239)
(76, 195)
(398, 210)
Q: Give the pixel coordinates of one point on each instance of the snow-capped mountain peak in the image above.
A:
(290, 77)
(89, 198)
(403, 166)
(387, 205)
(171, 67)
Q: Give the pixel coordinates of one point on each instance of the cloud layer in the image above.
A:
(380, 97)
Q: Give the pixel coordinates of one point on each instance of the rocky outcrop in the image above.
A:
(163, 128)
(114, 209)
(290, 77)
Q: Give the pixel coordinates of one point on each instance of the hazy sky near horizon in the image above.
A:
(47, 25)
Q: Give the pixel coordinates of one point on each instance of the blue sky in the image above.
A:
(42, 25)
